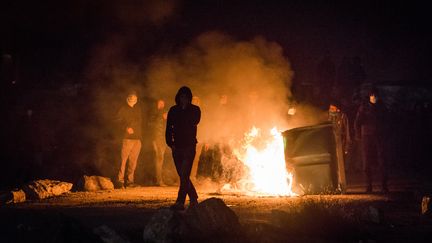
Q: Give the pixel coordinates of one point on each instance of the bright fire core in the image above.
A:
(263, 157)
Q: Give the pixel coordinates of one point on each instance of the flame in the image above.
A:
(264, 159)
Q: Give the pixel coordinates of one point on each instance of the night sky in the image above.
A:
(56, 39)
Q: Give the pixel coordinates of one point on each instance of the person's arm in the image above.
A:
(358, 122)
(169, 129)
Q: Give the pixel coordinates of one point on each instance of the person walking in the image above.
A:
(180, 136)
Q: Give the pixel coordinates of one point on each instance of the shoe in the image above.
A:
(131, 185)
(177, 206)
(119, 185)
(369, 189)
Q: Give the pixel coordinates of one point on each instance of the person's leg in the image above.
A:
(186, 171)
(181, 195)
(196, 161)
(159, 157)
(366, 157)
(382, 165)
(133, 158)
(126, 148)
(183, 159)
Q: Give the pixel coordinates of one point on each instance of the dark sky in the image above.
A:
(391, 37)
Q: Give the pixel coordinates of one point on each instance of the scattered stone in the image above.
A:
(426, 205)
(14, 196)
(40, 189)
(165, 226)
(371, 214)
(94, 183)
(209, 220)
(213, 217)
(18, 196)
(108, 235)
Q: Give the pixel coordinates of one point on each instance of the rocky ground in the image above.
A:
(123, 214)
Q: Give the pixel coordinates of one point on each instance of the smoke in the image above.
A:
(239, 84)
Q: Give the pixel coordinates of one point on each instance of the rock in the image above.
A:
(40, 189)
(209, 220)
(14, 196)
(371, 214)
(165, 226)
(213, 217)
(18, 196)
(94, 183)
(426, 205)
(108, 235)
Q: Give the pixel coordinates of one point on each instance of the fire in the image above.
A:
(263, 157)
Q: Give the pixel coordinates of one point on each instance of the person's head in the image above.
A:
(132, 98)
(373, 95)
(196, 100)
(160, 104)
(373, 98)
(334, 106)
(184, 97)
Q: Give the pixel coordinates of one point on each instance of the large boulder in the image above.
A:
(40, 189)
(211, 220)
(94, 183)
(165, 226)
(108, 235)
(213, 217)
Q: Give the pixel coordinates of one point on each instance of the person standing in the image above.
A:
(369, 129)
(157, 123)
(180, 136)
(130, 119)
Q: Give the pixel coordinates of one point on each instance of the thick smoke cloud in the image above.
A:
(253, 77)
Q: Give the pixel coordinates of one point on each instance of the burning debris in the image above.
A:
(265, 172)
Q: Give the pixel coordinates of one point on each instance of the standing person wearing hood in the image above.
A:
(180, 136)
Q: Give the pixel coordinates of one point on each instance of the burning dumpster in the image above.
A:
(314, 154)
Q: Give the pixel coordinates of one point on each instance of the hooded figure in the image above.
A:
(180, 136)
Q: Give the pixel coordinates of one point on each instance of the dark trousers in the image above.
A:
(372, 155)
(183, 159)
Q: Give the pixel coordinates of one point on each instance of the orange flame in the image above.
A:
(264, 159)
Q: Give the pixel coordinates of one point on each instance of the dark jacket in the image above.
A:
(181, 128)
(370, 120)
(130, 117)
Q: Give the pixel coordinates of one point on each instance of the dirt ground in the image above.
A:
(127, 212)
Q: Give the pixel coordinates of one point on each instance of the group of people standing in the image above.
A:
(179, 134)
(369, 132)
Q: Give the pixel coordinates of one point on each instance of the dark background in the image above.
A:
(47, 49)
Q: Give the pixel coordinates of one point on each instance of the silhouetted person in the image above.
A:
(130, 118)
(342, 132)
(180, 136)
(157, 123)
(369, 128)
(341, 125)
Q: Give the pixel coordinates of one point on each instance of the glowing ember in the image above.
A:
(264, 159)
